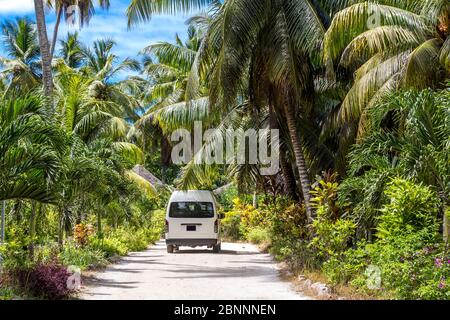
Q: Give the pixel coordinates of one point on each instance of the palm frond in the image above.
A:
(130, 151)
(174, 55)
(182, 114)
(306, 27)
(143, 10)
(380, 40)
(422, 68)
(444, 56)
(368, 84)
(356, 19)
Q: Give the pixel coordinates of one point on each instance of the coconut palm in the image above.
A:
(103, 67)
(85, 9)
(21, 68)
(167, 67)
(387, 45)
(82, 110)
(44, 47)
(256, 43)
(271, 55)
(72, 50)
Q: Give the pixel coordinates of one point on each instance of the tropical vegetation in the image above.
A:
(359, 91)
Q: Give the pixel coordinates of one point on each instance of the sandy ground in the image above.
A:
(239, 272)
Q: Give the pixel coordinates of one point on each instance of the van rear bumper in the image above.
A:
(192, 242)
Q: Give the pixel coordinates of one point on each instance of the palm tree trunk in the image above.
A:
(44, 48)
(290, 185)
(165, 157)
(55, 31)
(299, 159)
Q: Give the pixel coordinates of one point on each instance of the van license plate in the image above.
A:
(191, 228)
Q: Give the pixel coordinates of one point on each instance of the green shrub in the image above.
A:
(411, 208)
(157, 225)
(231, 225)
(258, 235)
(6, 293)
(135, 241)
(295, 252)
(290, 234)
(347, 267)
(110, 246)
(288, 220)
(226, 198)
(331, 237)
(122, 240)
(82, 257)
(14, 253)
(412, 268)
(332, 233)
(412, 260)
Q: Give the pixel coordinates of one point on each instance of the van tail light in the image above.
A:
(216, 226)
(167, 226)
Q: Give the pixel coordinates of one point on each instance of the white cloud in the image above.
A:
(128, 42)
(16, 6)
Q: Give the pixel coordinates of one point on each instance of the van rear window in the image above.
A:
(191, 210)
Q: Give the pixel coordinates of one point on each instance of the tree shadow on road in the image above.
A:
(197, 251)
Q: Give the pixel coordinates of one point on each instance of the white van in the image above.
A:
(192, 220)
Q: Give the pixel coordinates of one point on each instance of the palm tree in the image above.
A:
(273, 52)
(72, 50)
(90, 106)
(169, 77)
(93, 112)
(85, 10)
(74, 156)
(21, 68)
(103, 66)
(255, 44)
(29, 150)
(44, 46)
(167, 67)
(408, 46)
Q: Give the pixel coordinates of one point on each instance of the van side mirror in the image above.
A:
(221, 215)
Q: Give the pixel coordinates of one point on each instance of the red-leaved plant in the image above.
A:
(47, 281)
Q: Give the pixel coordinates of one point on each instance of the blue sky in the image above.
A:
(107, 24)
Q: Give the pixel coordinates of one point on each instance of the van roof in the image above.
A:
(192, 195)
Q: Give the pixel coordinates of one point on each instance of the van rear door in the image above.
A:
(192, 220)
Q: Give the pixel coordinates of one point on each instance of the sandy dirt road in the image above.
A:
(239, 272)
